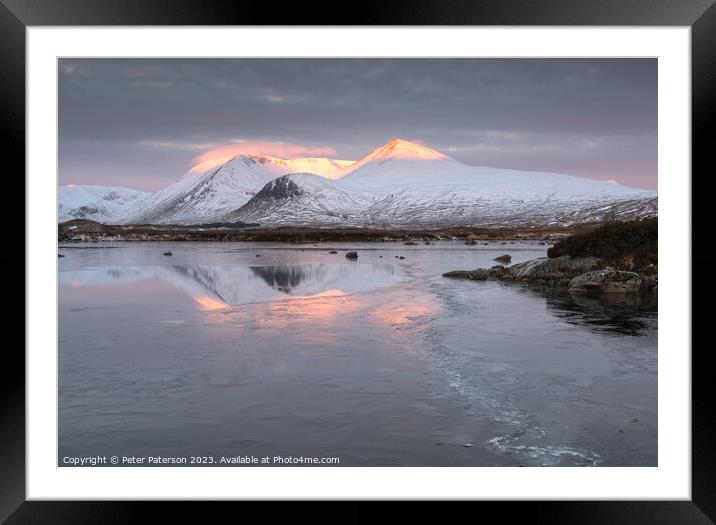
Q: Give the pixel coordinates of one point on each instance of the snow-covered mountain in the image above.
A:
(400, 162)
(201, 195)
(406, 184)
(327, 168)
(204, 195)
(400, 184)
(295, 197)
(106, 204)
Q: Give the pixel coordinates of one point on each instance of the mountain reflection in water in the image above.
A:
(380, 361)
(282, 278)
(216, 287)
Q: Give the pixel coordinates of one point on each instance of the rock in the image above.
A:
(427, 243)
(168, 254)
(555, 270)
(471, 242)
(496, 273)
(500, 273)
(472, 275)
(352, 256)
(410, 243)
(401, 257)
(606, 281)
(258, 255)
(333, 252)
(583, 275)
(650, 269)
(503, 258)
(558, 271)
(648, 282)
(60, 255)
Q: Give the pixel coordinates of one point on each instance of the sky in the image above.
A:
(143, 123)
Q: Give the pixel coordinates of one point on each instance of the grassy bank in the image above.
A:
(631, 245)
(83, 230)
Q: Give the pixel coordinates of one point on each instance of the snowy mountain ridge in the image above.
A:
(401, 183)
(204, 196)
(106, 204)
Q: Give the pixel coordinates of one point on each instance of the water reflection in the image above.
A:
(379, 364)
(625, 314)
(398, 312)
(282, 278)
(327, 285)
(219, 287)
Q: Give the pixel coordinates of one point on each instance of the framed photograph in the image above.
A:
(439, 254)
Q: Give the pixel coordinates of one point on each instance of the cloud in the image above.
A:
(285, 150)
(179, 145)
(158, 117)
(513, 142)
(68, 69)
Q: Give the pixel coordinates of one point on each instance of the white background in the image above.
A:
(671, 479)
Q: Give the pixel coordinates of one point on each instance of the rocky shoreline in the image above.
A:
(617, 258)
(585, 275)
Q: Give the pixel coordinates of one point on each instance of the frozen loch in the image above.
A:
(289, 350)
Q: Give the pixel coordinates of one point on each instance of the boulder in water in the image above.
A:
(471, 275)
(496, 273)
(606, 281)
(554, 269)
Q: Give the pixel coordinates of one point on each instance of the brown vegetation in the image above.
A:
(83, 230)
(631, 245)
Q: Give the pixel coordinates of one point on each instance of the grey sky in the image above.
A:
(142, 123)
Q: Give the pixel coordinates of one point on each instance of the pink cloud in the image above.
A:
(264, 147)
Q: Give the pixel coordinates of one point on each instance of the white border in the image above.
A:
(670, 480)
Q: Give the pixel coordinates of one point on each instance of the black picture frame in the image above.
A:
(16, 15)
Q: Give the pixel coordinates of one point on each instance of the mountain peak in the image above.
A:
(404, 149)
